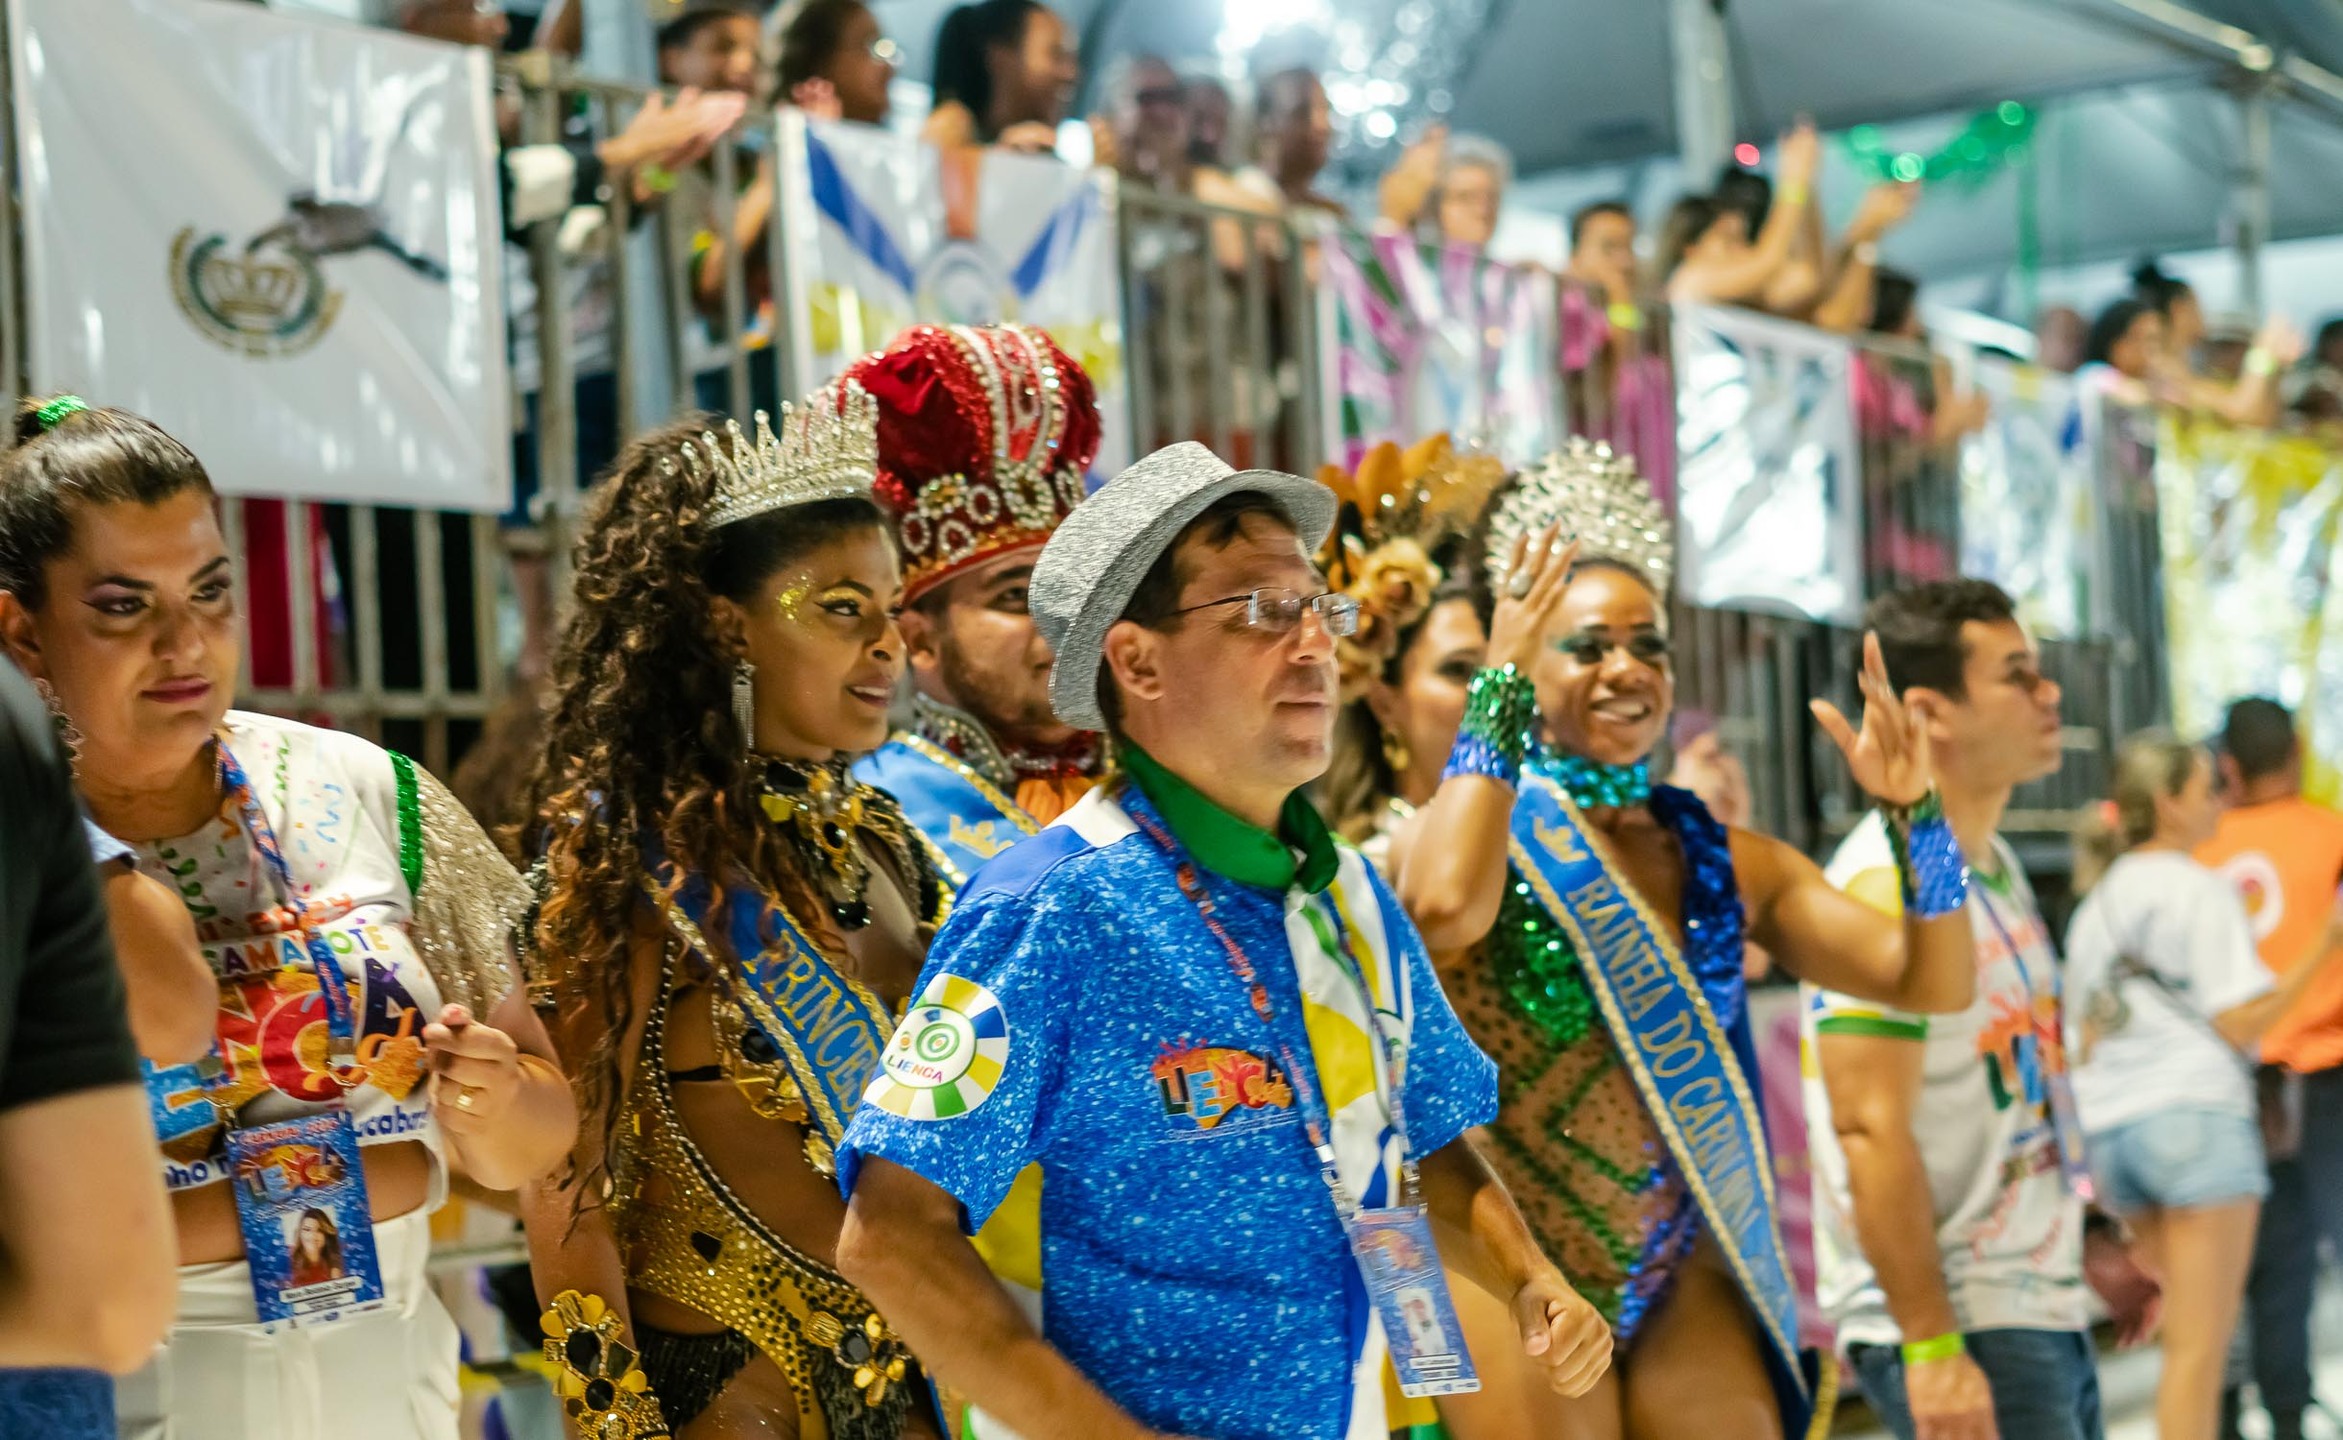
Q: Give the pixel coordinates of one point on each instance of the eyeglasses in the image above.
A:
(1648, 646)
(886, 51)
(1278, 610)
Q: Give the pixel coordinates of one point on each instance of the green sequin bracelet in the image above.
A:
(1500, 711)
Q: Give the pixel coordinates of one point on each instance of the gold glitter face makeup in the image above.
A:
(791, 601)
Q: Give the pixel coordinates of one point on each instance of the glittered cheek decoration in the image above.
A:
(790, 603)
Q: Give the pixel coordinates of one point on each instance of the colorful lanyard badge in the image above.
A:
(299, 1184)
(2058, 1087)
(1392, 1245)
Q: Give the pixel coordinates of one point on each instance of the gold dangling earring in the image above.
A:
(1395, 753)
(68, 733)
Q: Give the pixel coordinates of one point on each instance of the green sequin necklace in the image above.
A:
(1591, 784)
(1530, 954)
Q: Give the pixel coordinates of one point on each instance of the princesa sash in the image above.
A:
(829, 1028)
(1681, 1058)
(964, 819)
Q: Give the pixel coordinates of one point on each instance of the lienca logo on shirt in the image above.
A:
(1215, 1088)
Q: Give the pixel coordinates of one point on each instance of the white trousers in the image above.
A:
(386, 1375)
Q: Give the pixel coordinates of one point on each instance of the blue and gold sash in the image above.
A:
(829, 1028)
(1684, 1062)
(964, 819)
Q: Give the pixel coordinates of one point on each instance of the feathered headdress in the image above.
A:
(1398, 509)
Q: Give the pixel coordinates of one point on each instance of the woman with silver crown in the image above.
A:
(729, 924)
(1590, 929)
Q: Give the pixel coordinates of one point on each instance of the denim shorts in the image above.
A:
(2179, 1160)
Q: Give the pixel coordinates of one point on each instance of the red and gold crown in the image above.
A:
(985, 435)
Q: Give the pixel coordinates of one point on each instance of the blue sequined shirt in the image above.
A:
(1189, 1262)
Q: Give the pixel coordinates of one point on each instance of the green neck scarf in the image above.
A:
(1234, 848)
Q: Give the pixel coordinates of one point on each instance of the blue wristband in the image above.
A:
(1930, 867)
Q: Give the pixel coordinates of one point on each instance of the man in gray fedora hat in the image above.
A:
(1180, 1055)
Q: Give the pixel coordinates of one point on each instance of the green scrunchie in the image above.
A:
(58, 409)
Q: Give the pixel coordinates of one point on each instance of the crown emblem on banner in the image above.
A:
(826, 447)
(268, 303)
(246, 290)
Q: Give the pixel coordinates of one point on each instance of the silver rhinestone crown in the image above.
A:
(1598, 496)
(826, 447)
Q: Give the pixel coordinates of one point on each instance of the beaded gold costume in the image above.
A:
(685, 1235)
(699, 1245)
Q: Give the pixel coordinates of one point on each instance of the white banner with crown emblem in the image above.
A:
(276, 236)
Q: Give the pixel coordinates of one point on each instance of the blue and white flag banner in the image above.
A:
(1767, 500)
(884, 232)
(274, 234)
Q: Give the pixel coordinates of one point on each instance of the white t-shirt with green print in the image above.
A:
(2009, 1230)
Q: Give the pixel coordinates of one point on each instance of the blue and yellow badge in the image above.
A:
(946, 1056)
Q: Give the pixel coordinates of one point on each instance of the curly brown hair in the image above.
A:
(641, 751)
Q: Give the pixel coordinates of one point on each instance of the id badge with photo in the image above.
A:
(308, 1230)
(1402, 1272)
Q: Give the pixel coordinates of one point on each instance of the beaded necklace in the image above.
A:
(1591, 784)
(820, 808)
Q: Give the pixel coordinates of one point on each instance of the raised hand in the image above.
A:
(1889, 758)
(1801, 157)
(1535, 580)
(819, 98)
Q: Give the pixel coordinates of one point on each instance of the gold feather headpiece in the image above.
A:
(1398, 508)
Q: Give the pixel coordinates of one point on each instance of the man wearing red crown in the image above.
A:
(984, 437)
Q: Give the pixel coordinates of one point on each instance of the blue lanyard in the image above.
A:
(341, 1018)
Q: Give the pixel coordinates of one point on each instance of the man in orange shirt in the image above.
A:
(2285, 855)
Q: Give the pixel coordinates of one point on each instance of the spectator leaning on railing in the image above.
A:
(1005, 74)
(1210, 115)
(1458, 180)
(1293, 137)
(1143, 131)
(715, 46)
(1708, 252)
(2174, 374)
(836, 63)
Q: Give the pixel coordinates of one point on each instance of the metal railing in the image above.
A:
(400, 623)
(1220, 323)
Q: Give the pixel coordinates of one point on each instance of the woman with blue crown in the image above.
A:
(730, 923)
(1589, 927)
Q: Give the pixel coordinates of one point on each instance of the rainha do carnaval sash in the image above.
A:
(964, 818)
(1682, 1059)
(828, 1028)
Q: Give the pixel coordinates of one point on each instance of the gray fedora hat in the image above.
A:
(1097, 557)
